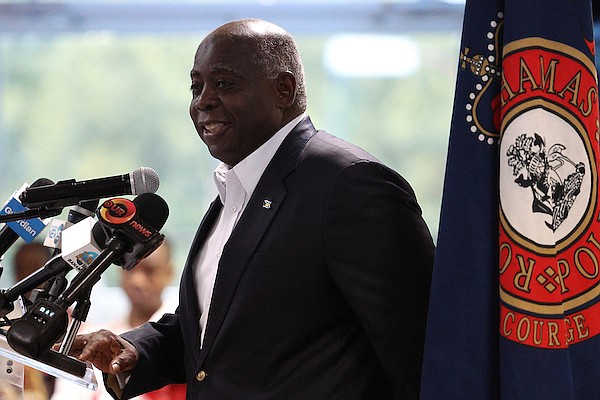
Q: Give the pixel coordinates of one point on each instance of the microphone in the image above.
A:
(23, 228)
(136, 222)
(130, 239)
(54, 271)
(69, 192)
(53, 288)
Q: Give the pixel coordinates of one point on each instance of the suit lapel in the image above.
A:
(188, 297)
(205, 226)
(259, 213)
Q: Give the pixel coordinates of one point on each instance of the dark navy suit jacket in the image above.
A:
(321, 292)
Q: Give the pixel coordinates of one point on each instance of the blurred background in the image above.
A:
(96, 89)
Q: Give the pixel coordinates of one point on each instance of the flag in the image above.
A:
(514, 310)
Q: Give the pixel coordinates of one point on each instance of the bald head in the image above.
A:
(272, 49)
(250, 27)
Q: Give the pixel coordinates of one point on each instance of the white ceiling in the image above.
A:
(298, 16)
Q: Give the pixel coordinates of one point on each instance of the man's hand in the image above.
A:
(107, 351)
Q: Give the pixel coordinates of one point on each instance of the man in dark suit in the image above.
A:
(309, 275)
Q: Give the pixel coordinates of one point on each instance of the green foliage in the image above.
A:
(90, 105)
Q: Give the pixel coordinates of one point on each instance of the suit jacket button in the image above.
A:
(200, 376)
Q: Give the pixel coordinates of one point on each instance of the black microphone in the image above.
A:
(69, 192)
(8, 237)
(136, 222)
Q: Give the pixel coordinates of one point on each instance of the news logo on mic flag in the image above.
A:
(27, 229)
(515, 301)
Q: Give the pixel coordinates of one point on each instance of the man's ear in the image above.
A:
(286, 89)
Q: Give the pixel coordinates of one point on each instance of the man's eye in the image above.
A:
(222, 84)
(196, 88)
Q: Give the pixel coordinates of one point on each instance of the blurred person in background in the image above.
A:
(144, 286)
(28, 258)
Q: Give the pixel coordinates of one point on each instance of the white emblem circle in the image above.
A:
(517, 202)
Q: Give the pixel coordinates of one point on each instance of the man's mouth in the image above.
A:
(213, 128)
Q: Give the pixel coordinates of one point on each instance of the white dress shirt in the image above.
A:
(235, 186)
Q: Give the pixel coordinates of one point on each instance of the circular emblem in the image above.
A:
(117, 211)
(549, 230)
(546, 171)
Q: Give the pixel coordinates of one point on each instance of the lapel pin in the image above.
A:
(267, 204)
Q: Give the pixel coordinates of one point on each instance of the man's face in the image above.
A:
(144, 283)
(234, 107)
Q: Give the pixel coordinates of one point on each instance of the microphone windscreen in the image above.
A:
(153, 209)
(144, 180)
(42, 182)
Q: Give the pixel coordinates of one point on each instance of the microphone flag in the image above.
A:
(79, 248)
(27, 229)
(54, 237)
(514, 310)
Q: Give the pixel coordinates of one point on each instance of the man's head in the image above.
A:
(28, 258)
(247, 83)
(145, 283)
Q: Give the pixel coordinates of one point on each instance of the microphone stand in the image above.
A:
(79, 315)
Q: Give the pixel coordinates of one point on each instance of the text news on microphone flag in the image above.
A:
(514, 310)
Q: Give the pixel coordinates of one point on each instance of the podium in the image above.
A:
(12, 371)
